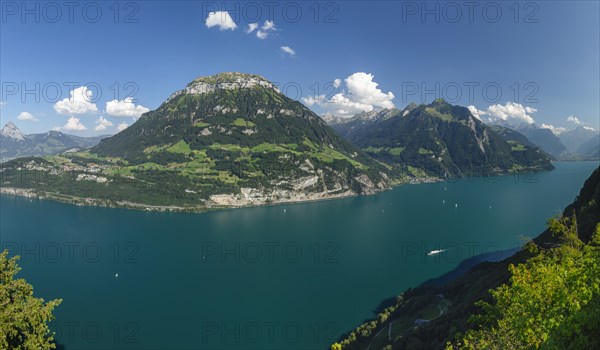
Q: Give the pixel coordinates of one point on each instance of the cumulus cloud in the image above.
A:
(556, 130)
(511, 111)
(364, 90)
(122, 126)
(251, 27)
(514, 113)
(78, 103)
(74, 124)
(125, 108)
(573, 119)
(288, 50)
(102, 123)
(27, 116)
(589, 128)
(337, 83)
(476, 112)
(220, 19)
(362, 94)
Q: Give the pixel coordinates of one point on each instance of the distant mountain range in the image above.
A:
(234, 139)
(439, 140)
(590, 148)
(14, 144)
(565, 146)
(576, 138)
(511, 135)
(346, 127)
(545, 139)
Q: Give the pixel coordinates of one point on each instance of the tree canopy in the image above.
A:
(23, 317)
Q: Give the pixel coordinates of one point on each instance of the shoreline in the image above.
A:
(197, 209)
(93, 202)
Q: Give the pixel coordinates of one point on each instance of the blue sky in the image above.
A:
(531, 62)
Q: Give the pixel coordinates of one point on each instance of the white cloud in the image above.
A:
(268, 25)
(362, 95)
(125, 108)
(288, 50)
(27, 116)
(337, 83)
(74, 124)
(589, 128)
(511, 111)
(122, 127)
(2, 104)
(78, 103)
(365, 90)
(251, 27)
(265, 29)
(573, 119)
(339, 104)
(556, 130)
(312, 100)
(102, 123)
(476, 112)
(262, 35)
(221, 19)
(344, 105)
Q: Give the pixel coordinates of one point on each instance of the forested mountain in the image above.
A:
(231, 139)
(234, 139)
(440, 140)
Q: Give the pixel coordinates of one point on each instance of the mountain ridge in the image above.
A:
(576, 138)
(10, 130)
(545, 139)
(226, 140)
(441, 139)
(233, 140)
(14, 143)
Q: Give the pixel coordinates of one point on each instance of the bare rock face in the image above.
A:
(224, 81)
(10, 130)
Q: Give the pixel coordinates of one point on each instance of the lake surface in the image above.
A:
(279, 277)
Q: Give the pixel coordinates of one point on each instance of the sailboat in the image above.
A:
(433, 252)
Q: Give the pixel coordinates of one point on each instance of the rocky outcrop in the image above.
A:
(227, 81)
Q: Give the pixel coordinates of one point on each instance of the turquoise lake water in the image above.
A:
(279, 277)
